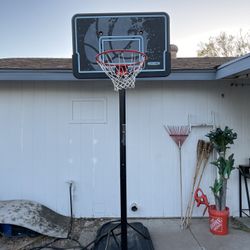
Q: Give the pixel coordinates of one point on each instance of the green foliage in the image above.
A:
(225, 166)
(226, 45)
(222, 138)
(216, 187)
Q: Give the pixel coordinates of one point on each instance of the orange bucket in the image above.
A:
(218, 220)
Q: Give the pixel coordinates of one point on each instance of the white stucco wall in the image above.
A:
(54, 132)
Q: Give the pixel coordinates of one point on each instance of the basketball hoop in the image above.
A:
(121, 66)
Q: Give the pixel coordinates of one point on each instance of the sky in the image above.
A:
(42, 28)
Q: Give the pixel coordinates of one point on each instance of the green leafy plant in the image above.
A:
(221, 139)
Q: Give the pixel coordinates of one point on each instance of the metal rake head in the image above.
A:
(178, 133)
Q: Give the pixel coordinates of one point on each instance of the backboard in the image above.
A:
(144, 32)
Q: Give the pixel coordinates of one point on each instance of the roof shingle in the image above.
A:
(195, 63)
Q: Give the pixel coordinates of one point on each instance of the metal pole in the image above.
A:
(123, 181)
(240, 193)
(247, 193)
(180, 166)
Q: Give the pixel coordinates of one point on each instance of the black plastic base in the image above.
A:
(109, 237)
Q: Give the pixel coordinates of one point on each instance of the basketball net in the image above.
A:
(121, 66)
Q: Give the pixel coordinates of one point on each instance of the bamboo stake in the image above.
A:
(206, 154)
(200, 154)
(208, 151)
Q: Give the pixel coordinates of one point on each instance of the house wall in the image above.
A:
(55, 132)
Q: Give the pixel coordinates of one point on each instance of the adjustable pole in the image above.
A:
(123, 181)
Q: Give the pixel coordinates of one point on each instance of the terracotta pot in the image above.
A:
(218, 220)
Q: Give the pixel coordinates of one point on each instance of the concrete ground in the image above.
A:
(165, 234)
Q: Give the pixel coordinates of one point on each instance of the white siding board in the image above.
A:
(41, 149)
(173, 105)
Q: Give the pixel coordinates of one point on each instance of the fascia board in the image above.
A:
(66, 75)
(234, 68)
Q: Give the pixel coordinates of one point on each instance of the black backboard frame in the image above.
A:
(76, 57)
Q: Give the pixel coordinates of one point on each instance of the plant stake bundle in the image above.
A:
(204, 150)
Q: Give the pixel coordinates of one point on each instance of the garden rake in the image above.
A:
(179, 134)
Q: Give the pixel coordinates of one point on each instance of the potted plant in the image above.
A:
(219, 213)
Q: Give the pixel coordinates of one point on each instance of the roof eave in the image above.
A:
(66, 75)
(235, 68)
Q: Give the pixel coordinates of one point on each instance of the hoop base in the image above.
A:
(108, 237)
